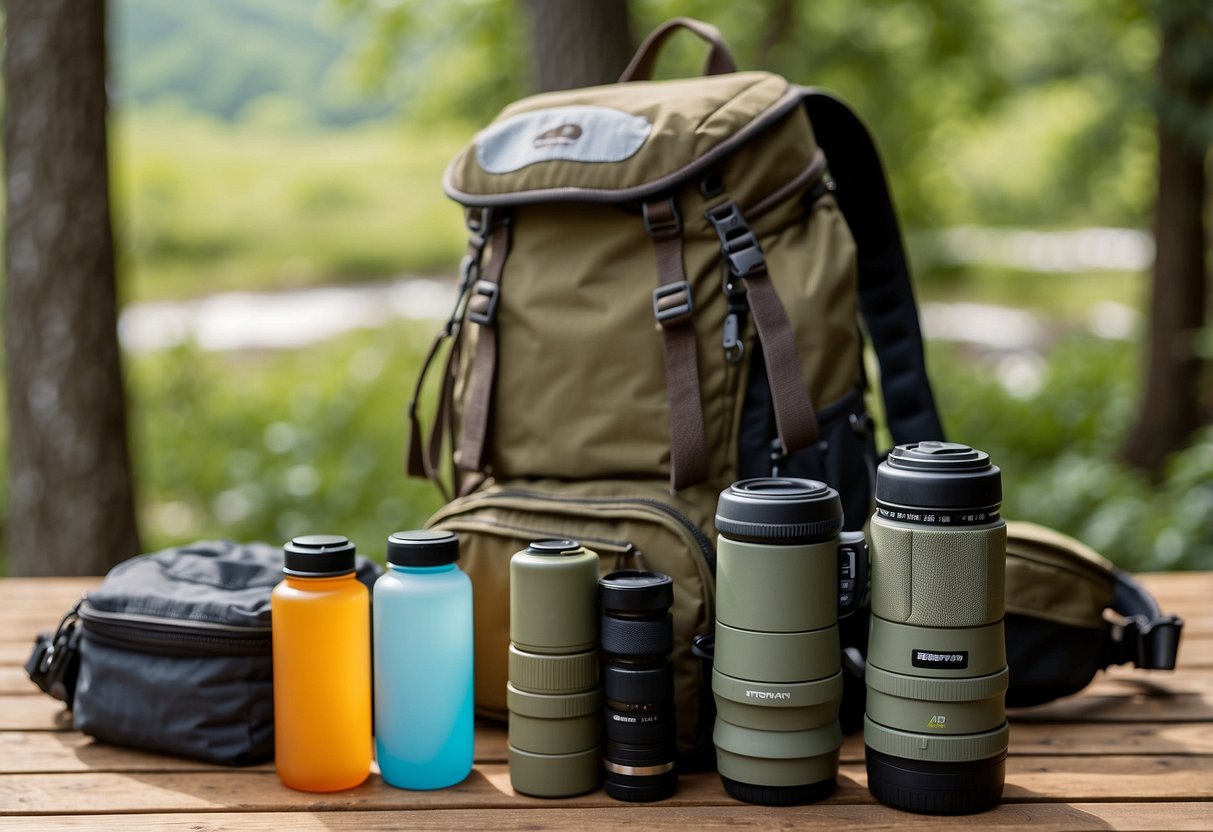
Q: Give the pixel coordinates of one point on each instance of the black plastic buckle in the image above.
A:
(672, 303)
(55, 663)
(484, 312)
(670, 227)
(479, 224)
(737, 242)
(1158, 642)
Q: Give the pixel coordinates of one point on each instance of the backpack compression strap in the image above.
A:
(886, 296)
(472, 460)
(674, 310)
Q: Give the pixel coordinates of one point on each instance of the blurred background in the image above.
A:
(281, 246)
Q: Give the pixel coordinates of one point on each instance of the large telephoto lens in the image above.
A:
(638, 682)
(777, 678)
(936, 729)
(553, 693)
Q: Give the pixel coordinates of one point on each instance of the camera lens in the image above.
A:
(553, 694)
(936, 729)
(777, 679)
(638, 683)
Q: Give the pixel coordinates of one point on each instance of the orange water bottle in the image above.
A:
(322, 667)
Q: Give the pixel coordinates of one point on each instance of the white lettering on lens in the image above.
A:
(924, 656)
(764, 694)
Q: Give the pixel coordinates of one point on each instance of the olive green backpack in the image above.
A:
(663, 292)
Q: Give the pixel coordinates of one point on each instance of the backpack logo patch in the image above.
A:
(564, 134)
(574, 133)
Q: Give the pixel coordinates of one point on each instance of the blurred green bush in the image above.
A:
(269, 446)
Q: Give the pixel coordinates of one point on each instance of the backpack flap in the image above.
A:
(619, 143)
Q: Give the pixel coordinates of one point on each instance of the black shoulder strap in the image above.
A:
(886, 297)
(1147, 638)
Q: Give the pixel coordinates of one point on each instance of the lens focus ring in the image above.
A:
(553, 674)
(637, 636)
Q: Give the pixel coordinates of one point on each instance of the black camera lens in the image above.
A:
(638, 683)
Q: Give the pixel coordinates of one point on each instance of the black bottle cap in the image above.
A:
(939, 476)
(636, 590)
(553, 547)
(779, 510)
(422, 548)
(318, 556)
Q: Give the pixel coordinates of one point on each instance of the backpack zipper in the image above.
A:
(620, 548)
(160, 634)
(706, 549)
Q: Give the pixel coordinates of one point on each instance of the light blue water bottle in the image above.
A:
(423, 663)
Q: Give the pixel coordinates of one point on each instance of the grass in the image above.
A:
(203, 207)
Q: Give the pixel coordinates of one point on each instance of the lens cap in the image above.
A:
(318, 556)
(636, 590)
(553, 547)
(938, 476)
(422, 548)
(779, 510)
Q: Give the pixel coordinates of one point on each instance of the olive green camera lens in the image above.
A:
(553, 693)
(935, 727)
(777, 678)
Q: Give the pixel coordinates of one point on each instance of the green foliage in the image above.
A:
(1054, 428)
(201, 206)
(223, 57)
(265, 447)
(454, 60)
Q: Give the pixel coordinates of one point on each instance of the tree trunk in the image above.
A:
(71, 503)
(578, 43)
(1170, 409)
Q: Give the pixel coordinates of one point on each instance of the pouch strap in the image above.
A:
(795, 419)
(720, 59)
(472, 457)
(1147, 638)
(674, 310)
(886, 296)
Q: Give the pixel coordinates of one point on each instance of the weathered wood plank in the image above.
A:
(1126, 695)
(52, 752)
(33, 713)
(13, 681)
(1029, 779)
(1039, 817)
(67, 587)
(46, 752)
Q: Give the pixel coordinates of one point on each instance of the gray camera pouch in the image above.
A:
(175, 652)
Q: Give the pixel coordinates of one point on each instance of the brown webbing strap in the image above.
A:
(674, 310)
(795, 419)
(482, 310)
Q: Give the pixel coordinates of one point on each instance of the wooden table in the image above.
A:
(1133, 751)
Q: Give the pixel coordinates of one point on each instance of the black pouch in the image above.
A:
(175, 653)
(1072, 613)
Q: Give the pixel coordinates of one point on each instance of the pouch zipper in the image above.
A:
(701, 540)
(168, 635)
(620, 548)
